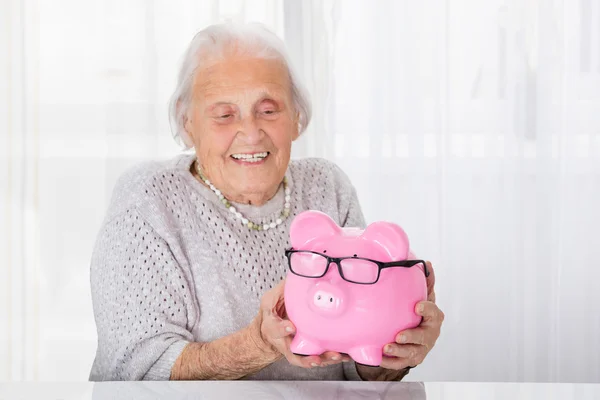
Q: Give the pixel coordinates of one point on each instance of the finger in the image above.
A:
(430, 312)
(408, 351)
(283, 345)
(273, 301)
(279, 304)
(323, 360)
(333, 357)
(278, 332)
(395, 363)
(270, 298)
(326, 359)
(417, 336)
(297, 360)
(411, 355)
(275, 328)
(304, 361)
(345, 357)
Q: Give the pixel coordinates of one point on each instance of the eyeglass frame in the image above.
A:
(337, 261)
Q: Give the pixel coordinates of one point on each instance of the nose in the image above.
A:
(327, 299)
(249, 131)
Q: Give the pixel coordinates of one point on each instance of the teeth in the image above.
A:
(250, 157)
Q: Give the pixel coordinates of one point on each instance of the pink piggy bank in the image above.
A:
(350, 290)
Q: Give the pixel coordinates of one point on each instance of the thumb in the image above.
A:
(275, 328)
(430, 282)
(273, 303)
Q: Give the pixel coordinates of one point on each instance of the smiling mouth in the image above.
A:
(250, 157)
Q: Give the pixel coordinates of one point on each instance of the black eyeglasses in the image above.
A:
(363, 271)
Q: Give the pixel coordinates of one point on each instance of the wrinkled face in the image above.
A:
(242, 122)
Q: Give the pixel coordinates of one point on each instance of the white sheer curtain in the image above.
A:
(474, 124)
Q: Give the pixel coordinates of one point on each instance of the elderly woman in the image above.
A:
(188, 267)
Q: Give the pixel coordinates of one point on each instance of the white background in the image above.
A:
(473, 124)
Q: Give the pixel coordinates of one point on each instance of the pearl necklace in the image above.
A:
(245, 221)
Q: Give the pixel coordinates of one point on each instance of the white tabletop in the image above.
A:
(249, 390)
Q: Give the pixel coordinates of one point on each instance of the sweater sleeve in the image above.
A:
(142, 302)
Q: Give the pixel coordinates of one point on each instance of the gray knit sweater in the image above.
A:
(171, 265)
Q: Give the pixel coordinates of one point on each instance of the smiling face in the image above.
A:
(242, 122)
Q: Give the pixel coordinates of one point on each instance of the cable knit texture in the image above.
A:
(172, 265)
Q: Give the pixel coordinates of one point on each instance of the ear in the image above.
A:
(187, 139)
(186, 135)
(390, 237)
(296, 123)
(310, 225)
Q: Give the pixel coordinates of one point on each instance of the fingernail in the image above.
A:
(335, 358)
(388, 349)
(289, 329)
(421, 307)
(402, 339)
(314, 365)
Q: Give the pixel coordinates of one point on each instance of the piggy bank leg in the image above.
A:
(303, 346)
(367, 355)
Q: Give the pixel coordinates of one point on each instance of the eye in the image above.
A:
(222, 112)
(268, 108)
(269, 112)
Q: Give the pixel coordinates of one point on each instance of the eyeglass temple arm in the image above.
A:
(412, 263)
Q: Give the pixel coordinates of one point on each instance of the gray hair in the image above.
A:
(252, 39)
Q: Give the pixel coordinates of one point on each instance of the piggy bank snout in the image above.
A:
(327, 299)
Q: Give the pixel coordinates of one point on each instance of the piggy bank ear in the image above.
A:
(310, 225)
(390, 237)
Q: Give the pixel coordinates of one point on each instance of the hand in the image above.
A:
(413, 345)
(276, 332)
